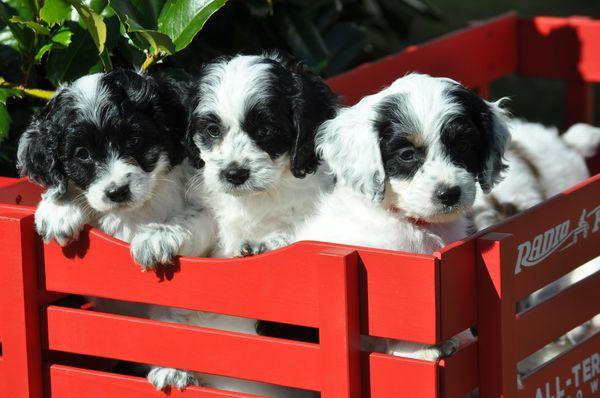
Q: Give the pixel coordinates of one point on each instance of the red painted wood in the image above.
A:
(474, 56)
(542, 324)
(570, 365)
(580, 102)
(19, 191)
(563, 48)
(459, 374)
(279, 286)
(568, 206)
(20, 331)
(184, 347)
(497, 364)
(70, 382)
(458, 298)
(401, 284)
(340, 324)
(402, 377)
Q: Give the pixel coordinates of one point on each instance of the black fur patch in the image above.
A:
(142, 117)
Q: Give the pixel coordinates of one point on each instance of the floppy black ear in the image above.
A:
(492, 122)
(312, 103)
(39, 146)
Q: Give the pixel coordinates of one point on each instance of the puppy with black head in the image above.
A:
(109, 150)
(408, 160)
(253, 121)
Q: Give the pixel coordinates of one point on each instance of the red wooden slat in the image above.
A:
(21, 347)
(458, 298)
(402, 377)
(279, 286)
(70, 382)
(546, 322)
(403, 285)
(564, 48)
(564, 376)
(459, 373)
(496, 314)
(474, 56)
(339, 336)
(230, 354)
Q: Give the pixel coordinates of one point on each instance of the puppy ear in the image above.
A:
(312, 102)
(496, 137)
(38, 150)
(350, 146)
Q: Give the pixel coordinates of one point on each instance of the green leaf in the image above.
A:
(4, 122)
(138, 14)
(6, 93)
(60, 39)
(74, 61)
(159, 42)
(181, 20)
(98, 5)
(22, 35)
(55, 11)
(24, 8)
(36, 27)
(94, 23)
(130, 52)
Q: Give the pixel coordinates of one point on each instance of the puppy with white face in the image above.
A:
(253, 127)
(109, 150)
(407, 161)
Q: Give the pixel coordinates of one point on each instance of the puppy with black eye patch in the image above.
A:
(109, 150)
(408, 160)
(252, 127)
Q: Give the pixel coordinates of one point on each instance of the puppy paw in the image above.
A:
(162, 378)
(61, 222)
(442, 350)
(270, 243)
(156, 244)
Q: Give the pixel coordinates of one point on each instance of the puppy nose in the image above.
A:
(118, 194)
(236, 175)
(448, 196)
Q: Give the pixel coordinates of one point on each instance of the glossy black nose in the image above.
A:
(118, 194)
(236, 175)
(448, 196)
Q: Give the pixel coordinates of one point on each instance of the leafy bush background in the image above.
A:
(44, 43)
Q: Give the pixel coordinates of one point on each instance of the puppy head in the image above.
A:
(428, 140)
(111, 136)
(255, 120)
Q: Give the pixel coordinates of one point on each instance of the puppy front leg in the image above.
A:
(191, 233)
(163, 378)
(62, 219)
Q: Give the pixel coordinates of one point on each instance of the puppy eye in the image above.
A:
(82, 153)
(132, 142)
(408, 154)
(463, 146)
(213, 130)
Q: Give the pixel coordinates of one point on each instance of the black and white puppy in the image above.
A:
(109, 150)
(407, 162)
(253, 125)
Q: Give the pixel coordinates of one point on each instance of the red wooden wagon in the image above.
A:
(343, 291)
